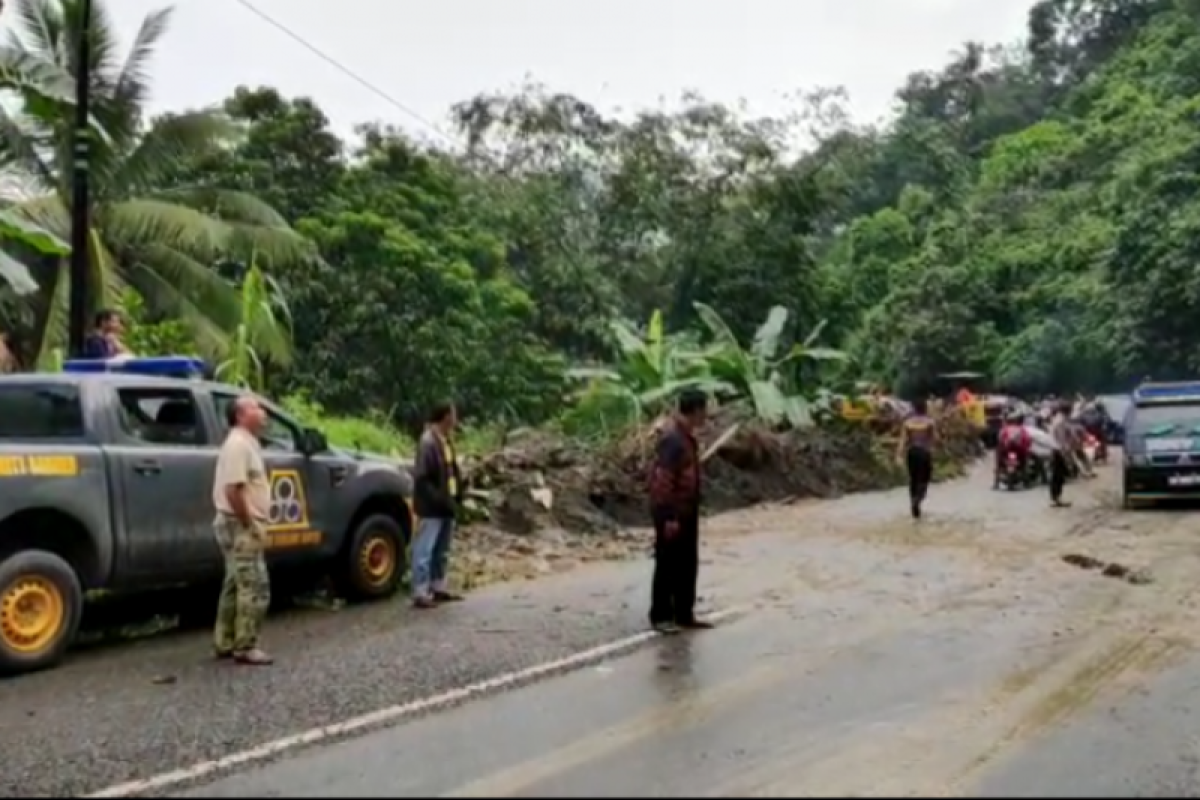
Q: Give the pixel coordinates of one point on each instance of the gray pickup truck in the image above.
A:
(106, 484)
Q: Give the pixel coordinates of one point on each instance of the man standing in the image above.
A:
(675, 511)
(1060, 432)
(436, 495)
(105, 339)
(243, 498)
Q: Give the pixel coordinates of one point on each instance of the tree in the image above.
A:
(149, 232)
(1029, 212)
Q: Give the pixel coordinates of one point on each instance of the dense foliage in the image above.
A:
(1031, 212)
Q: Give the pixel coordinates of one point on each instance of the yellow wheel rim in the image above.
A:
(32, 614)
(378, 559)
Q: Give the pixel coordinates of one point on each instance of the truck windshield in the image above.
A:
(1155, 421)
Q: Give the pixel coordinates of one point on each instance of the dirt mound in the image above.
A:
(540, 481)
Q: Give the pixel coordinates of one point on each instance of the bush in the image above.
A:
(374, 434)
(146, 337)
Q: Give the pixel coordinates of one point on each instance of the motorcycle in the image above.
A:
(1016, 476)
(1096, 449)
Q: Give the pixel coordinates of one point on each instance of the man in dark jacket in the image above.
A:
(105, 339)
(436, 494)
(675, 510)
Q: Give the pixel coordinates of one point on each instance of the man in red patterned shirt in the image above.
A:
(675, 510)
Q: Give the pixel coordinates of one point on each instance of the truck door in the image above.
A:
(165, 458)
(301, 490)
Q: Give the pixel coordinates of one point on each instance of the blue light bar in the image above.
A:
(1174, 392)
(160, 366)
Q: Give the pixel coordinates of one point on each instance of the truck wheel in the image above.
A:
(374, 562)
(41, 604)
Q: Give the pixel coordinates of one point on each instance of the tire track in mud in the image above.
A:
(1130, 634)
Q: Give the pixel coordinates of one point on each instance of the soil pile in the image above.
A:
(539, 481)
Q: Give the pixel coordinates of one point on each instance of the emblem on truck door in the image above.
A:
(289, 505)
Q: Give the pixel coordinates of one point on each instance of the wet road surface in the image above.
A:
(874, 657)
(772, 707)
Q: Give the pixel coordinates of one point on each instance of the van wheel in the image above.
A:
(41, 604)
(373, 564)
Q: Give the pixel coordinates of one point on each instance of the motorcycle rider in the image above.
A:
(1095, 421)
(1080, 465)
(1013, 439)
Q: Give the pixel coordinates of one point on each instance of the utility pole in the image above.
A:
(80, 199)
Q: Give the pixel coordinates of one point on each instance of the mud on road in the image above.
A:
(850, 569)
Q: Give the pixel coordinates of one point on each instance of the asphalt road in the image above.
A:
(864, 654)
(964, 704)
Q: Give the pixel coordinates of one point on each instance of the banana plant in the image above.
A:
(756, 373)
(15, 230)
(651, 367)
(258, 331)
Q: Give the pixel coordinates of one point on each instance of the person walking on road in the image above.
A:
(915, 451)
(242, 497)
(675, 512)
(1060, 432)
(436, 495)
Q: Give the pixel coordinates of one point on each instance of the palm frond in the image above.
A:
(133, 81)
(169, 140)
(212, 340)
(275, 247)
(231, 206)
(39, 29)
(107, 274)
(133, 225)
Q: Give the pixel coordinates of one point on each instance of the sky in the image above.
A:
(617, 54)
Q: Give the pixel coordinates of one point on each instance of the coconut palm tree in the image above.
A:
(148, 232)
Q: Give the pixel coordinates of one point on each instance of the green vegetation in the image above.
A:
(1031, 212)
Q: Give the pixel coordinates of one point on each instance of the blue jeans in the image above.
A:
(430, 554)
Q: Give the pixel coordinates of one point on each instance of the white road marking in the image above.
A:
(383, 716)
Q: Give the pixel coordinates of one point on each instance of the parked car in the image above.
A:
(1162, 444)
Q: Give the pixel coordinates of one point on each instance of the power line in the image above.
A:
(342, 68)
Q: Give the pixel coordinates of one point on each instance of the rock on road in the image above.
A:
(865, 655)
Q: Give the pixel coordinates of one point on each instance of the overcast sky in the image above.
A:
(428, 54)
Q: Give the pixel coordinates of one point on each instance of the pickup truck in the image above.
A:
(106, 484)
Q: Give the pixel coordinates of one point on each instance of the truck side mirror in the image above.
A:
(314, 442)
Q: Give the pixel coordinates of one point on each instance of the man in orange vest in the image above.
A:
(964, 396)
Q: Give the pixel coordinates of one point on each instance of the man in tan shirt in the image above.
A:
(242, 497)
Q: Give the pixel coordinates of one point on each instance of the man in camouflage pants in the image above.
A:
(242, 497)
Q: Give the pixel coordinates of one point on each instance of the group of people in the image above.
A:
(1053, 432)
(675, 490)
(1055, 435)
(242, 498)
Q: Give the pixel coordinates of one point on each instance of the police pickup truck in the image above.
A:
(106, 483)
(1162, 443)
